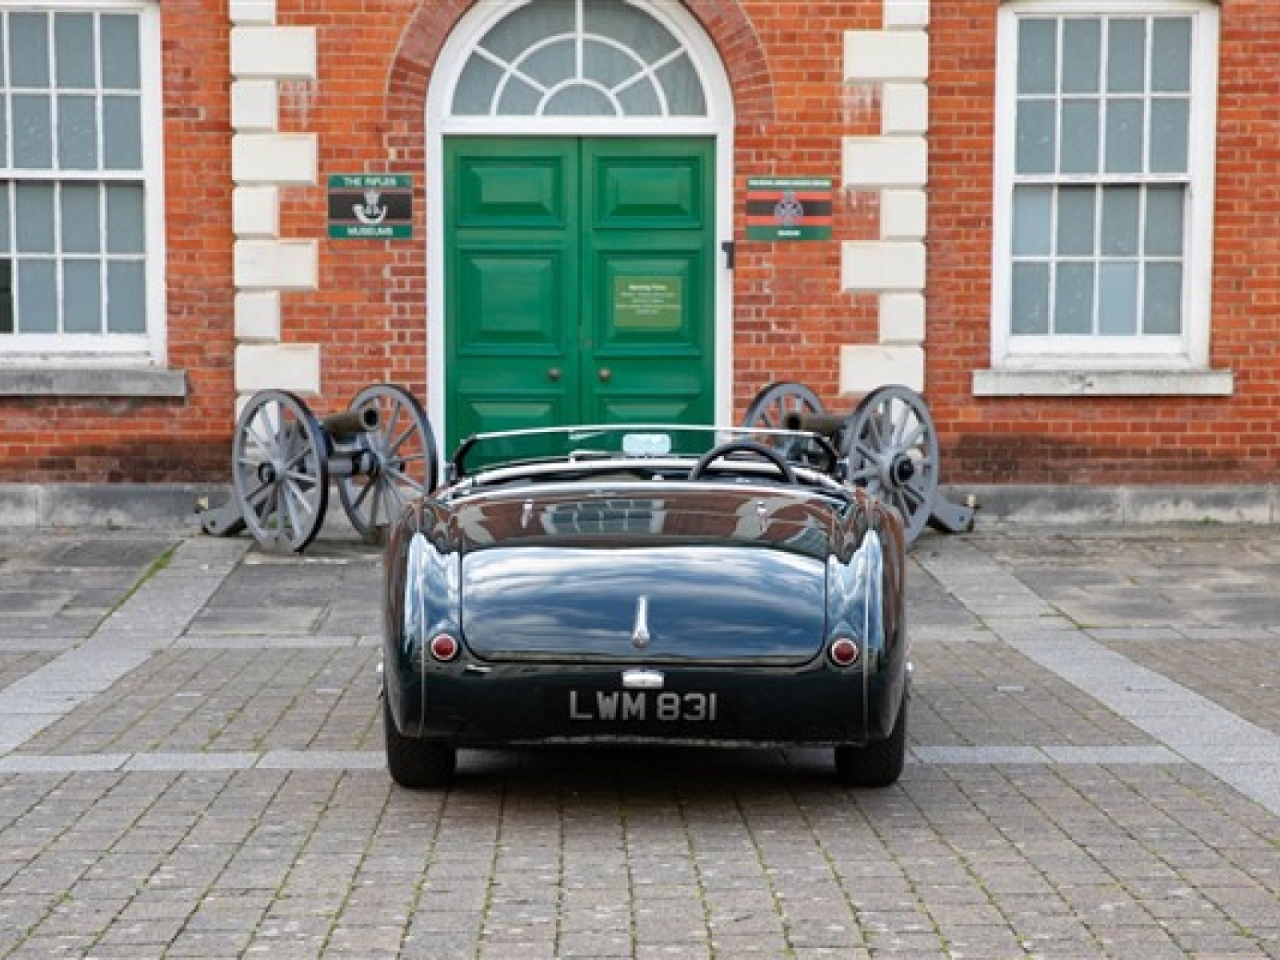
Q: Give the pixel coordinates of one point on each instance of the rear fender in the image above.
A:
(421, 598)
(865, 602)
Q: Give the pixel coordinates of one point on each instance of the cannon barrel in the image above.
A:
(823, 424)
(351, 423)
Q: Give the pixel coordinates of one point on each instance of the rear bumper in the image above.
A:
(470, 703)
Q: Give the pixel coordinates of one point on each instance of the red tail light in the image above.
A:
(444, 647)
(843, 652)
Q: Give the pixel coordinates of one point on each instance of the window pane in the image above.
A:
(82, 296)
(1165, 223)
(1081, 56)
(37, 296)
(1126, 56)
(124, 220)
(126, 298)
(1120, 221)
(579, 101)
(1073, 299)
(29, 50)
(122, 129)
(1162, 312)
(80, 221)
(32, 132)
(518, 99)
(512, 35)
(1032, 218)
(640, 100)
(1080, 136)
(1124, 136)
(34, 218)
(1075, 221)
(607, 66)
(1170, 133)
(4, 218)
(1037, 136)
(1118, 299)
(73, 49)
(77, 133)
(553, 64)
(4, 132)
(683, 88)
(631, 27)
(1037, 56)
(1171, 56)
(474, 95)
(1030, 298)
(121, 64)
(6, 296)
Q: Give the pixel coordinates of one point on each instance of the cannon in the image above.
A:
(888, 440)
(381, 452)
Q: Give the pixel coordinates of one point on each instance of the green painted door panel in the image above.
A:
(511, 260)
(648, 265)
(580, 282)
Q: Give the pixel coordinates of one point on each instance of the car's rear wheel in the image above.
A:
(876, 764)
(413, 763)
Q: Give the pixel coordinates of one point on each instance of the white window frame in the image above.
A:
(1186, 352)
(112, 350)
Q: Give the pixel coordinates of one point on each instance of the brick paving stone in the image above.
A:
(682, 952)
(223, 796)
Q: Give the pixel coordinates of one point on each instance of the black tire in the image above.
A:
(876, 764)
(413, 763)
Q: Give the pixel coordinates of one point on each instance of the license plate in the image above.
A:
(645, 706)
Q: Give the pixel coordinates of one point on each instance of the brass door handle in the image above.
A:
(605, 374)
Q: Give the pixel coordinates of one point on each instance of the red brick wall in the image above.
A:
(785, 61)
(125, 439)
(1105, 441)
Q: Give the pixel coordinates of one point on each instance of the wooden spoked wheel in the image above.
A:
(892, 449)
(400, 461)
(771, 405)
(280, 471)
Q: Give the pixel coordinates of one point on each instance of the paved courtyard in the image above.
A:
(191, 766)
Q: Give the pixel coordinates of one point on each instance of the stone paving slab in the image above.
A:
(186, 780)
(1241, 673)
(63, 587)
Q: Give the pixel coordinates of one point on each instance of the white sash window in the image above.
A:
(1104, 184)
(80, 205)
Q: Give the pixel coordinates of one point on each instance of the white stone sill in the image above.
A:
(1103, 383)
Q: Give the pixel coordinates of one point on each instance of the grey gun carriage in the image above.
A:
(888, 441)
(381, 452)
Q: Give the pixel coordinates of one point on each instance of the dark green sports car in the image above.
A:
(645, 585)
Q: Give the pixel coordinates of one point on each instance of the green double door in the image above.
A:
(580, 282)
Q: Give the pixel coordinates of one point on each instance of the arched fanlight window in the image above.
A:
(579, 58)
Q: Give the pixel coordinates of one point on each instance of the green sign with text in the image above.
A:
(370, 206)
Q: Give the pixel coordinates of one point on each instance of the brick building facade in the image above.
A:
(1056, 218)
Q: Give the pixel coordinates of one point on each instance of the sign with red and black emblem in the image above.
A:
(789, 208)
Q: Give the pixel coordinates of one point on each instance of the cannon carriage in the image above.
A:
(888, 440)
(381, 453)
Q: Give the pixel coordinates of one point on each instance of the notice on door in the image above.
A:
(648, 303)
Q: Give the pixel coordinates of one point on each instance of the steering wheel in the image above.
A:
(722, 450)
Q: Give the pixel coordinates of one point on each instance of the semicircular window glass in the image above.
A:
(583, 58)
